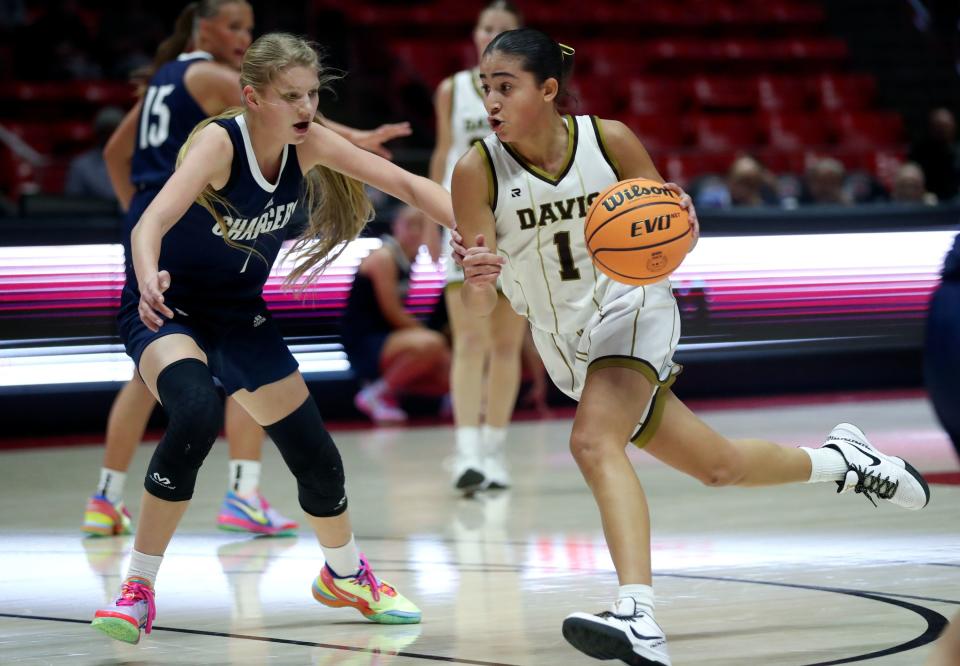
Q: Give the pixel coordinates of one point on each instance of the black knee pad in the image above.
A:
(195, 414)
(311, 455)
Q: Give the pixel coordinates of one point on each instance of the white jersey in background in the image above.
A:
(468, 119)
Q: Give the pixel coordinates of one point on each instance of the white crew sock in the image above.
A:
(144, 566)
(493, 438)
(111, 484)
(642, 596)
(468, 440)
(826, 465)
(343, 561)
(244, 477)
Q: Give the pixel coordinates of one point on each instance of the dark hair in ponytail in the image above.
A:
(539, 55)
(177, 42)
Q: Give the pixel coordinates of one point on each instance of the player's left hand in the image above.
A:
(687, 204)
(374, 139)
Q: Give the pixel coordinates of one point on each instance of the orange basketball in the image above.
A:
(637, 232)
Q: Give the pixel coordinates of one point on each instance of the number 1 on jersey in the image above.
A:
(568, 270)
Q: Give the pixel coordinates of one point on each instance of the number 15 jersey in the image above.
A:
(549, 276)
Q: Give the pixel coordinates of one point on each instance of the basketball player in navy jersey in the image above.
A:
(605, 344)
(193, 309)
(185, 86)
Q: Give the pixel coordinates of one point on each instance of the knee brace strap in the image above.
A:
(311, 455)
(195, 414)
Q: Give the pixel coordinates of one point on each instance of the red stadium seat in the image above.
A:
(657, 132)
(430, 61)
(654, 95)
(723, 93)
(102, 93)
(597, 97)
(794, 131)
(783, 94)
(873, 129)
(726, 132)
(809, 52)
(846, 92)
(681, 168)
(612, 59)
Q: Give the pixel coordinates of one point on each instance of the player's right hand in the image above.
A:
(151, 300)
(481, 265)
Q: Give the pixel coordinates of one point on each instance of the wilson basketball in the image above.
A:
(637, 232)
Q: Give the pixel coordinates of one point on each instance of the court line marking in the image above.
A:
(283, 641)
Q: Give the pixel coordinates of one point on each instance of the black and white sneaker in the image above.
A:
(875, 474)
(622, 633)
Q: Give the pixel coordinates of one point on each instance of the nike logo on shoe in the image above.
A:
(646, 638)
(256, 515)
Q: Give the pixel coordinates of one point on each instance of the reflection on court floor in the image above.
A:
(787, 576)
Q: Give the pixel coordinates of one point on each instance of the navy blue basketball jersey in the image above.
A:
(951, 265)
(168, 115)
(205, 270)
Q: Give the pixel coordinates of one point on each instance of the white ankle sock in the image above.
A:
(244, 477)
(111, 484)
(642, 595)
(144, 566)
(493, 438)
(468, 440)
(826, 465)
(343, 561)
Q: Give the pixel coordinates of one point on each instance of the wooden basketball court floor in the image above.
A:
(788, 576)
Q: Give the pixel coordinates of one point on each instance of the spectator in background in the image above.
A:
(824, 183)
(87, 175)
(748, 183)
(909, 186)
(939, 155)
(389, 349)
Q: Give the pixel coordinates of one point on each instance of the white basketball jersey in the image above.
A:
(549, 276)
(468, 120)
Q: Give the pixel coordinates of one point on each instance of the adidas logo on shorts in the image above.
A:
(259, 319)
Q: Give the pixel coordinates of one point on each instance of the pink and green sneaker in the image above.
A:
(103, 518)
(132, 611)
(255, 516)
(376, 599)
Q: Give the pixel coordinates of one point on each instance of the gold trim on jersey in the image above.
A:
(573, 380)
(453, 98)
(543, 266)
(573, 134)
(492, 191)
(648, 428)
(517, 282)
(602, 144)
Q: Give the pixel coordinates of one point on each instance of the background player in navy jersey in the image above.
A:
(610, 345)
(194, 75)
(193, 309)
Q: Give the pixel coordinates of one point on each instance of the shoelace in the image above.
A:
(365, 577)
(132, 592)
(869, 484)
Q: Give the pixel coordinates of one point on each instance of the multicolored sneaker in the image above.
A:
(238, 514)
(132, 611)
(103, 518)
(376, 599)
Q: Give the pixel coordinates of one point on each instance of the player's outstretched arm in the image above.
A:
(476, 223)
(118, 156)
(325, 147)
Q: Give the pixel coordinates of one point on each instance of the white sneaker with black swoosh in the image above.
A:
(874, 473)
(622, 633)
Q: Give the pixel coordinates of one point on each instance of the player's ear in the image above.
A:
(250, 96)
(550, 89)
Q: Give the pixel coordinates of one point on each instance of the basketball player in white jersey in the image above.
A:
(485, 369)
(520, 199)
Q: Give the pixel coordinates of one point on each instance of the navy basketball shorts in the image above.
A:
(244, 347)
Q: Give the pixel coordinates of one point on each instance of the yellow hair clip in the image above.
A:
(566, 50)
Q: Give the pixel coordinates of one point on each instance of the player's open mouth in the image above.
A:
(302, 126)
(495, 123)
